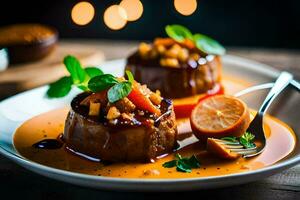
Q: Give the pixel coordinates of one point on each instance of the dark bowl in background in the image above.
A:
(22, 52)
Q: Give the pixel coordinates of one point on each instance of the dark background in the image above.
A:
(259, 23)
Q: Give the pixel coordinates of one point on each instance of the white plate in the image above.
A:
(15, 110)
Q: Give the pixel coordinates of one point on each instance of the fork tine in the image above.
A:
(245, 151)
(237, 150)
(233, 146)
(226, 142)
(236, 147)
(248, 153)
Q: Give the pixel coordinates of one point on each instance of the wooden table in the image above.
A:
(17, 182)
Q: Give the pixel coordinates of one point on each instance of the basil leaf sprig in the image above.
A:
(116, 89)
(246, 140)
(102, 82)
(208, 45)
(119, 91)
(183, 164)
(60, 88)
(204, 43)
(79, 77)
(178, 32)
(90, 79)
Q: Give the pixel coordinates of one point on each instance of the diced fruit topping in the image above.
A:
(144, 49)
(125, 105)
(114, 97)
(155, 98)
(179, 47)
(113, 113)
(169, 62)
(94, 109)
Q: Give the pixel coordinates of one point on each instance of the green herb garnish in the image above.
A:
(247, 140)
(119, 91)
(202, 42)
(78, 77)
(90, 79)
(60, 88)
(93, 71)
(208, 45)
(102, 82)
(74, 67)
(183, 164)
(129, 76)
(178, 32)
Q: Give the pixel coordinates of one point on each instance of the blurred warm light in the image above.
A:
(82, 13)
(134, 9)
(115, 17)
(185, 7)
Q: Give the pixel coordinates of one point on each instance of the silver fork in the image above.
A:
(256, 125)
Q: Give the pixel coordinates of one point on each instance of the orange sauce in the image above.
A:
(280, 143)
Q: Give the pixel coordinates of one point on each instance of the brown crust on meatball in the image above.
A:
(142, 142)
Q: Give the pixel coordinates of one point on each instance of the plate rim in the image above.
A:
(247, 63)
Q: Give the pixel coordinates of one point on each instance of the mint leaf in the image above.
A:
(183, 164)
(170, 164)
(208, 45)
(178, 32)
(247, 140)
(102, 82)
(93, 71)
(60, 88)
(129, 76)
(194, 162)
(119, 91)
(74, 67)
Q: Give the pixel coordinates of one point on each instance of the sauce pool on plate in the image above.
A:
(46, 128)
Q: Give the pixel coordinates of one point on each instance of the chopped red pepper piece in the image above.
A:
(141, 101)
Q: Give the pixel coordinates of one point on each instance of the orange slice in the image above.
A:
(220, 116)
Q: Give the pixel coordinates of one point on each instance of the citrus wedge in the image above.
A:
(220, 116)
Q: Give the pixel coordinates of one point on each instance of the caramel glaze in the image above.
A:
(190, 78)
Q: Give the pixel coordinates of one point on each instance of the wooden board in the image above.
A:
(22, 77)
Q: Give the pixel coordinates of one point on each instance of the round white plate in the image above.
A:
(17, 109)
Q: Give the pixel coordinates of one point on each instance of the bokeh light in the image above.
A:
(185, 7)
(115, 17)
(133, 8)
(82, 13)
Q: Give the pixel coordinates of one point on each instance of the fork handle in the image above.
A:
(280, 84)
